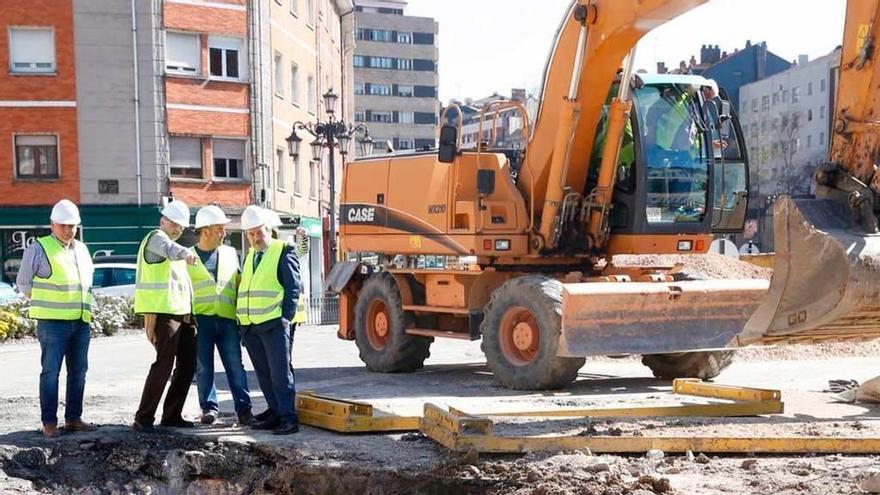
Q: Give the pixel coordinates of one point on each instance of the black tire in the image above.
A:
(702, 365)
(400, 352)
(542, 297)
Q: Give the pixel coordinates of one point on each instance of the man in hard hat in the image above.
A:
(267, 298)
(163, 294)
(56, 274)
(301, 246)
(215, 278)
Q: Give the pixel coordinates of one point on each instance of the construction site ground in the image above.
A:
(224, 459)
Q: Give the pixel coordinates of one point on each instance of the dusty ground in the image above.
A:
(227, 459)
(701, 266)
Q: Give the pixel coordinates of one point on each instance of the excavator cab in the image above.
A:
(682, 167)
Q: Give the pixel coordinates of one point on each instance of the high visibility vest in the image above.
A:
(161, 288)
(676, 124)
(300, 316)
(215, 297)
(67, 293)
(260, 293)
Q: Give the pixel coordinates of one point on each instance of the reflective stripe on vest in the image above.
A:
(300, 316)
(163, 287)
(215, 298)
(260, 292)
(67, 293)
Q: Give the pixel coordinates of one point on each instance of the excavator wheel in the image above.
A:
(521, 326)
(703, 365)
(380, 325)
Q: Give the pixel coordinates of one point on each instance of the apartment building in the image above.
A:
(395, 74)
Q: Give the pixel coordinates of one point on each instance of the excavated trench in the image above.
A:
(162, 464)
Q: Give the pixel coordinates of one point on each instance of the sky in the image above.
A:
(491, 46)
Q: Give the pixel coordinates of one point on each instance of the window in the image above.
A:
(795, 95)
(310, 12)
(405, 90)
(423, 38)
(313, 179)
(809, 115)
(822, 85)
(360, 116)
(36, 157)
(775, 99)
(404, 64)
(359, 88)
(785, 96)
(381, 62)
(294, 7)
(359, 61)
(294, 83)
(186, 157)
(406, 144)
(404, 38)
(224, 57)
(765, 102)
(32, 50)
(405, 117)
(754, 105)
(182, 53)
(822, 139)
(380, 89)
(425, 92)
(380, 35)
(311, 93)
(228, 158)
(279, 75)
(809, 89)
(809, 140)
(297, 176)
(425, 118)
(386, 117)
(280, 179)
(822, 112)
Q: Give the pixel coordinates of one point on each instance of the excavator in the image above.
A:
(617, 162)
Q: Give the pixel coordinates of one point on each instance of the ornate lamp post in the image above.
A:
(330, 134)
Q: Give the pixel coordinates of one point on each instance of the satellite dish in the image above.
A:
(724, 248)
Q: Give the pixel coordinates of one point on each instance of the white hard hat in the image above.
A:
(253, 217)
(210, 215)
(65, 213)
(273, 219)
(177, 212)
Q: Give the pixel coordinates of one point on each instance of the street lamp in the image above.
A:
(331, 134)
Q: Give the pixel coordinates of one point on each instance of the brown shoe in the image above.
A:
(78, 425)
(50, 430)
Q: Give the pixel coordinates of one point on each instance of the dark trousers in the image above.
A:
(269, 349)
(63, 341)
(176, 340)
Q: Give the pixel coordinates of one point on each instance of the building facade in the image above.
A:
(509, 125)
(395, 74)
(786, 120)
(124, 106)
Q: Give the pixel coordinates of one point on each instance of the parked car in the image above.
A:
(8, 294)
(115, 258)
(114, 279)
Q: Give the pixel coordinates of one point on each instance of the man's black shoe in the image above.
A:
(269, 424)
(177, 423)
(143, 428)
(263, 416)
(286, 428)
(246, 419)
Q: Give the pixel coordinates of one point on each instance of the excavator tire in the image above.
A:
(521, 326)
(380, 329)
(703, 365)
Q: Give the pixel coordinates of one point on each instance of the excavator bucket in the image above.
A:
(826, 277)
(652, 318)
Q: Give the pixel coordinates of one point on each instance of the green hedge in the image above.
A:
(109, 315)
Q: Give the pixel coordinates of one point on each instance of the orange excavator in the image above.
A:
(616, 163)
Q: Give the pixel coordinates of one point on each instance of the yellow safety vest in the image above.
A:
(161, 288)
(215, 297)
(260, 293)
(675, 121)
(67, 293)
(300, 316)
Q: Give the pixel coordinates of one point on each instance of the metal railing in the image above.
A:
(322, 309)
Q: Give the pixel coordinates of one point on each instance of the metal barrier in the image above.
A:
(322, 309)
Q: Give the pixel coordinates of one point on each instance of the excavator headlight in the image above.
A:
(502, 244)
(685, 245)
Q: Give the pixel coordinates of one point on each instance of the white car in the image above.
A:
(114, 279)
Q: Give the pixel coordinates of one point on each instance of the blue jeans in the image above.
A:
(223, 334)
(269, 349)
(60, 341)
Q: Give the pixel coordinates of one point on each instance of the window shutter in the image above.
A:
(186, 152)
(229, 148)
(32, 46)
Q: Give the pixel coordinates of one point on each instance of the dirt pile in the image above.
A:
(697, 266)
